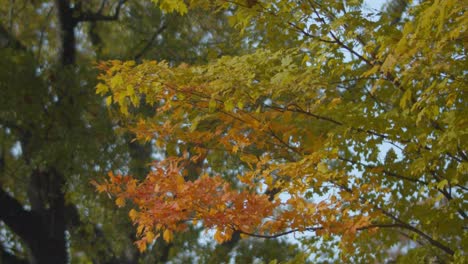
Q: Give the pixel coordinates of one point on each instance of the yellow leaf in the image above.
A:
(322, 167)
(334, 102)
(133, 214)
(372, 71)
(108, 100)
(141, 245)
(235, 148)
(149, 236)
(218, 236)
(116, 81)
(101, 88)
(120, 201)
(180, 180)
(130, 90)
(168, 235)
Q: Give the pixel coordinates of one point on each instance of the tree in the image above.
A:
(55, 134)
(343, 124)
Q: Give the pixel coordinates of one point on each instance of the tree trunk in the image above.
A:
(41, 229)
(49, 242)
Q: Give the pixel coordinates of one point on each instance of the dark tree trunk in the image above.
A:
(49, 243)
(41, 229)
(67, 24)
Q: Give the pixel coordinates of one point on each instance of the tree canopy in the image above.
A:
(342, 124)
(56, 134)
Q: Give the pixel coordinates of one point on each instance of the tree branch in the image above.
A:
(41, 37)
(150, 42)
(7, 40)
(419, 232)
(405, 225)
(313, 229)
(13, 214)
(101, 7)
(389, 173)
(6, 257)
(298, 109)
(98, 16)
(282, 233)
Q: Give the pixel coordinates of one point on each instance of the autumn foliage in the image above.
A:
(167, 203)
(339, 125)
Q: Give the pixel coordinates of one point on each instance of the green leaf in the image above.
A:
(229, 106)
(405, 99)
(240, 105)
(212, 105)
(194, 123)
(442, 184)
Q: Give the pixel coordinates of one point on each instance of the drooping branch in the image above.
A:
(313, 229)
(430, 239)
(405, 225)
